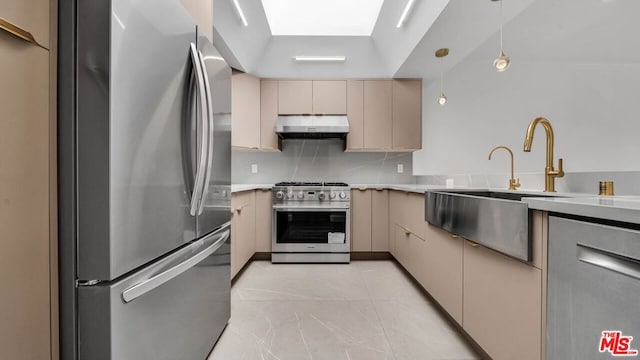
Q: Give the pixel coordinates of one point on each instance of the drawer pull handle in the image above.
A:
(610, 261)
(472, 244)
(454, 236)
(19, 33)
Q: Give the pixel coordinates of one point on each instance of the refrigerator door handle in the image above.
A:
(210, 134)
(204, 112)
(144, 287)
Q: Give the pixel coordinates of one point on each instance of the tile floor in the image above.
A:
(365, 310)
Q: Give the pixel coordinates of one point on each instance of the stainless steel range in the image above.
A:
(311, 223)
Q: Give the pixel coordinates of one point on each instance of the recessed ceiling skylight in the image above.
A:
(322, 17)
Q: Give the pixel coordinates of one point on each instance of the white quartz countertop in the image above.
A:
(618, 208)
(247, 187)
(418, 188)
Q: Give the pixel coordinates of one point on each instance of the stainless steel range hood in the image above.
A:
(312, 126)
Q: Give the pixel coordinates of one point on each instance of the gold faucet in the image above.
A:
(549, 172)
(513, 183)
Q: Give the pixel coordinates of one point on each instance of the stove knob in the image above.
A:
(279, 195)
(321, 195)
(290, 195)
(332, 195)
(300, 194)
(343, 195)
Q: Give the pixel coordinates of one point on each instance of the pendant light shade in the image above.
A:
(502, 62)
(442, 98)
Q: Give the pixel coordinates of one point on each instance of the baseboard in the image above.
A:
(371, 255)
(261, 256)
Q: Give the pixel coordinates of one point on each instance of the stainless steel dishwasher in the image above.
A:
(593, 299)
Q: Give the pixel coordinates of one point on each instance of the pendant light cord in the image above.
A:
(500, 25)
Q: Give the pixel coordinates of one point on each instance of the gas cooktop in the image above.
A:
(305, 183)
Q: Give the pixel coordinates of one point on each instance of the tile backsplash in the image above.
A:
(321, 160)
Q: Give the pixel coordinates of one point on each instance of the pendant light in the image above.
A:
(442, 98)
(502, 62)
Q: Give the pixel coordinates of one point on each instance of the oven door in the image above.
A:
(311, 229)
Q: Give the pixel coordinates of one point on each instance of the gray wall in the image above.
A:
(320, 160)
(575, 70)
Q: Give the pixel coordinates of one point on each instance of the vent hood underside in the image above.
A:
(312, 126)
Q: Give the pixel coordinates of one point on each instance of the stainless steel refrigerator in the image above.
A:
(151, 185)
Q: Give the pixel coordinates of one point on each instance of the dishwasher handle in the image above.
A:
(608, 260)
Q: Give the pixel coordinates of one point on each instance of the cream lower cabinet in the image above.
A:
(406, 217)
(360, 220)
(369, 220)
(441, 269)
(502, 304)
(28, 227)
(499, 301)
(243, 229)
(263, 220)
(379, 220)
(250, 226)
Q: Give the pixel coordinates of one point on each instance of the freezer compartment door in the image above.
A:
(175, 308)
(216, 201)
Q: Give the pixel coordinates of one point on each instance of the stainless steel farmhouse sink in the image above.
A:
(497, 220)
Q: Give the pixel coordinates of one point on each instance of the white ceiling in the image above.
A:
(253, 49)
(322, 17)
(461, 25)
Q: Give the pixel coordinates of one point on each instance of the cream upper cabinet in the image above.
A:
(407, 114)
(502, 304)
(263, 220)
(378, 115)
(355, 114)
(202, 13)
(295, 97)
(329, 97)
(245, 111)
(268, 115)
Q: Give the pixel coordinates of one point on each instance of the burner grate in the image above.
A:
(309, 183)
